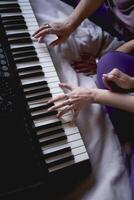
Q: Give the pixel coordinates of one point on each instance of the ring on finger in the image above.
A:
(46, 25)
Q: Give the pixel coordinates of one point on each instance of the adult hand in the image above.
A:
(75, 100)
(85, 64)
(62, 30)
(119, 78)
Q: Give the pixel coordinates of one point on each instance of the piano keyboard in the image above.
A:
(59, 139)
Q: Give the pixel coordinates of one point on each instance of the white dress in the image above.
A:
(111, 181)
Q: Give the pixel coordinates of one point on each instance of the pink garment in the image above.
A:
(123, 12)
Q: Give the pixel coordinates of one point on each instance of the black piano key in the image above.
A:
(10, 10)
(52, 141)
(46, 106)
(47, 126)
(18, 35)
(23, 54)
(31, 75)
(22, 49)
(20, 40)
(59, 152)
(30, 85)
(13, 17)
(38, 97)
(9, 5)
(28, 59)
(14, 22)
(54, 132)
(43, 89)
(43, 115)
(61, 161)
(15, 27)
(29, 68)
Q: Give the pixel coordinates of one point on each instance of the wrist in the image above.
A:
(93, 95)
(70, 24)
(99, 95)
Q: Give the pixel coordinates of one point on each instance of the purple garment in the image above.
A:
(115, 59)
(123, 16)
(122, 121)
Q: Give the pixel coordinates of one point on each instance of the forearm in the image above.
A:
(84, 9)
(127, 47)
(121, 101)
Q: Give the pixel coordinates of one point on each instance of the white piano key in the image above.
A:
(50, 74)
(55, 90)
(40, 101)
(78, 150)
(33, 88)
(13, 46)
(45, 69)
(73, 136)
(38, 112)
(16, 31)
(73, 145)
(51, 84)
(37, 94)
(48, 130)
(70, 137)
(59, 157)
(44, 55)
(44, 60)
(54, 145)
(28, 11)
(49, 138)
(73, 152)
(61, 145)
(76, 144)
(68, 129)
(25, 6)
(52, 119)
(41, 78)
(39, 49)
(77, 159)
(57, 148)
(30, 72)
(42, 132)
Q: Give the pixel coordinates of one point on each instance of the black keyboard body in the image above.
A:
(23, 174)
(20, 166)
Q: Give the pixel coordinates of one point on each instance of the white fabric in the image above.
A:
(108, 168)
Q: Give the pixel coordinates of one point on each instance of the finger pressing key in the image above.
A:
(60, 105)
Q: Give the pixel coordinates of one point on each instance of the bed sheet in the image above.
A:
(111, 180)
